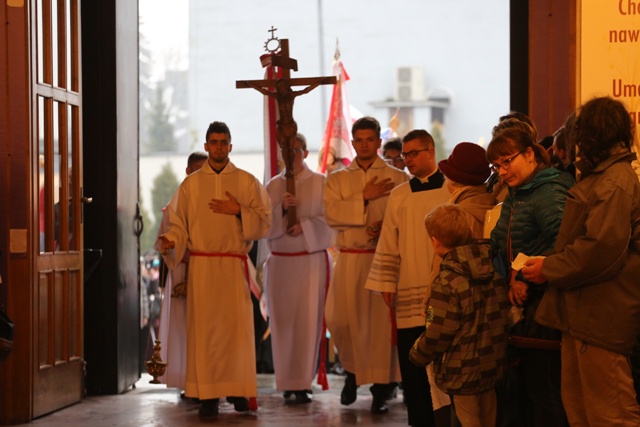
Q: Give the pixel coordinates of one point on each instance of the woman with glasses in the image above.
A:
(528, 225)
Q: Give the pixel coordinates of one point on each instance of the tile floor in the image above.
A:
(155, 405)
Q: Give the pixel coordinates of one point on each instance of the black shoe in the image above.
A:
(302, 396)
(379, 405)
(287, 394)
(208, 408)
(240, 404)
(392, 391)
(350, 389)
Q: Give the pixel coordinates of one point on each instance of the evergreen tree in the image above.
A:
(159, 126)
(164, 185)
(147, 238)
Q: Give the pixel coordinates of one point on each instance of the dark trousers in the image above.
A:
(415, 384)
(530, 393)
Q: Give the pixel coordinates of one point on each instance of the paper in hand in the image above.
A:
(520, 260)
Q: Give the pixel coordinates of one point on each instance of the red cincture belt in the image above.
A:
(357, 251)
(243, 257)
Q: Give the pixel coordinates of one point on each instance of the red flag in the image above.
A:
(273, 162)
(337, 133)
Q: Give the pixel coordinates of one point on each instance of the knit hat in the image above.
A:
(467, 164)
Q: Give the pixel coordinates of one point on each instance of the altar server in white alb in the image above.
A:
(355, 199)
(173, 318)
(296, 275)
(217, 213)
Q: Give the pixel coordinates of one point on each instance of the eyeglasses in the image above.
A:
(506, 164)
(413, 153)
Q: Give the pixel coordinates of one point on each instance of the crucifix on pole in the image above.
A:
(286, 127)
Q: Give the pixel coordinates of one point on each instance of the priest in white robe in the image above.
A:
(219, 211)
(355, 199)
(296, 275)
(173, 317)
(401, 269)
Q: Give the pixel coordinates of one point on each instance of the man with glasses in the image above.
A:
(401, 270)
(355, 199)
(392, 153)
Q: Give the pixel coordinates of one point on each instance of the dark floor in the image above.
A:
(155, 405)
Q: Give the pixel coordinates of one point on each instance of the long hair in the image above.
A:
(600, 125)
(510, 140)
(516, 119)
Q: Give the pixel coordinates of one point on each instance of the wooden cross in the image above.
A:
(286, 127)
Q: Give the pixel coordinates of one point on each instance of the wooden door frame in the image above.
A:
(57, 346)
(19, 234)
(17, 259)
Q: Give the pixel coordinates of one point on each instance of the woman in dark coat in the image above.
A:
(528, 224)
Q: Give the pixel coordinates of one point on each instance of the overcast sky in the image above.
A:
(164, 25)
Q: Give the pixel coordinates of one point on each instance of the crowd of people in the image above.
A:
(533, 326)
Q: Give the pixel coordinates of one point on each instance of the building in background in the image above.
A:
(437, 60)
(429, 60)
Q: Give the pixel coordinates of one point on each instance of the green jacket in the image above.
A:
(594, 276)
(534, 213)
(466, 325)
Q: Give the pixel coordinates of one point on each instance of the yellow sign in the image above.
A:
(609, 52)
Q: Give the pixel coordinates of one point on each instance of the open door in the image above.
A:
(57, 144)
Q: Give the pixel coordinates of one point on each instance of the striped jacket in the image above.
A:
(466, 321)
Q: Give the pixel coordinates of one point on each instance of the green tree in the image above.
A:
(147, 238)
(164, 185)
(436, 133)
(159, 127)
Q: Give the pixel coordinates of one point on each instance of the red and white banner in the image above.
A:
(337, 133)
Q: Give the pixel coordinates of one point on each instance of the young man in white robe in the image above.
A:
(217, 213)
(173, 317)
(355, 199)
(401, 269)
(296, 274)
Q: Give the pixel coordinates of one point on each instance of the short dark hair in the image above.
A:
(449, 223)
(421, 134)
(600, 125)
(392, 144)
(366, 122)
(196, 156)
(546, 141)
(303, 140)
(217, 127)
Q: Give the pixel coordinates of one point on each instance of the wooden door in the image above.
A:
(57, 146)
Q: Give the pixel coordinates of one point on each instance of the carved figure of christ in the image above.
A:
(286, 127)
